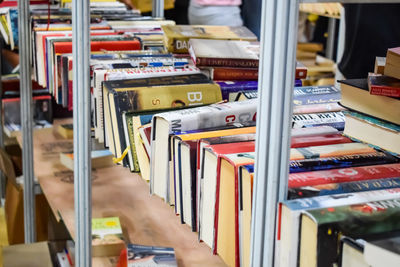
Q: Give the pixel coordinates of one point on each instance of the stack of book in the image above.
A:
(343, 203)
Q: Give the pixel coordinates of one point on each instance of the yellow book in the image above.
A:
(176, 37)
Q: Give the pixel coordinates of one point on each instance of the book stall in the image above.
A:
(131, 140)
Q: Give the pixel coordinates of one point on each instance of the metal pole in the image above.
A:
(158, 9)
(340, 46)
(24, 45)
(2, 176)
(330, 42)
(277, 65)
(82, 144)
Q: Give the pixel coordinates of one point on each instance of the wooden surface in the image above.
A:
(145, 219)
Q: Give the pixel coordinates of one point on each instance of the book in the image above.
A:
(383, 252)
(309, 95)
(145, 94)
(317, 130)
(164, 124)
(227, 207)
(352, 252)
(176, 37)
(392, 63)
(99, 159)
(229, 73)
(380, 63)
(320, 229)
(373, 131)
(362, 173)
(355, 96)
(341, 188)
(334, 119)
(352, 160)
(142, 145)
(318, 108)
(139, 256)
(245, 188)
(318, 140)
(224, 53)
(383, 85)
(107, 237)
(290, 211)
(186, 155)
(209, 190)
(325, 151)
(230, 89)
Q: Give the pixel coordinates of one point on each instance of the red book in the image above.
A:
(227, 206)
(344, 175)
(235, 73)
(383, 85)
(301, 71)
(319, 140)
(66, 47)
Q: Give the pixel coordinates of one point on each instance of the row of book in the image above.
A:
(157, 108)
(349, 216)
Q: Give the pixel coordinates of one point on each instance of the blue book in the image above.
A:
(230, 89)
(308, 95)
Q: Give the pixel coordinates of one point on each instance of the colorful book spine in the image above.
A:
(221, 73)
(344, 175)
(334, 119)
(343, 188)
(318, 140)
(318, 108)
(308, 95)
(355, 160)
(298, 83)
(229, 89)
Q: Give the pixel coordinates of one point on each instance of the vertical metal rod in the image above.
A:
(330, 42)
(340, 46)
(2, 177)
(158, 9)
(277, 65)
(82, 144)
(24, 45)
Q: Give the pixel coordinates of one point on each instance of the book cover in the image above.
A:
(344, 175)
(290, 215)
(383, 85)
(325, 151)
(352, 160)
(318, 140)
(322, 228)
(227, 207)
(373, 131)
(224, 53)
(107, 237)
(334, 119)
(342, 188)
(149, 256)
(230, 89)
(164, 124)
(355, 96)
(225, 73)
(309, 95)
(176, 37)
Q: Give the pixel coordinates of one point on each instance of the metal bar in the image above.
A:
(26, 119)
(158, 9)
(277, 65)
(2, 176)
(340, 46)
(82, 144)
(330, 42)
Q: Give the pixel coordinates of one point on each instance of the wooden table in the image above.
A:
(145, 219)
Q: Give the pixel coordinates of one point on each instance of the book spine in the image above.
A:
(344, 175)
(343, 188)
(227, 62)
(131, 140)
(334, 119)
(317, 108)
(235, 74)
(301, 73)
(228, 88)
(298, 83)
(385, 91)
(318, 140)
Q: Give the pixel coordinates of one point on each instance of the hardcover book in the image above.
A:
(321, 228)
(290, 214)
(224, 53)
(164, 124)
(176, 37)
(383, 85)
(393, 63)
(334, 119)
(230, 89)
(355, 96)
(374, 131)
(318, 140)
(362, 173)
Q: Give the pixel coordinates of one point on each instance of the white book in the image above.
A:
(167, 123)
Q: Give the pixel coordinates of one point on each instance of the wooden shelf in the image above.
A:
(116, 191)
